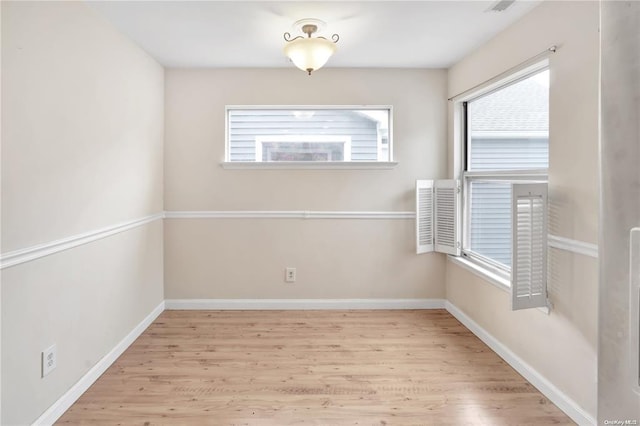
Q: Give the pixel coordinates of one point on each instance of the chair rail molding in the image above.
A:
(287, 214)
(574, 246)
(28, 254)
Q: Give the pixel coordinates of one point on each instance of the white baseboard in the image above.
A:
(566, 404)
(301, 304)
(59, 407)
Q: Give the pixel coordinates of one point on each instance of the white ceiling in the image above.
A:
(404, 34)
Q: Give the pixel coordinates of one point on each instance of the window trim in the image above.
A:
(489, 269)
(330, 165)
(492, 84)
(309, 165)
(498, 280)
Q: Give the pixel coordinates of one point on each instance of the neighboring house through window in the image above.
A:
(507, 141)
(308, 134)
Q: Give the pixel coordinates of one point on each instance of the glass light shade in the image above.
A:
(309, 54)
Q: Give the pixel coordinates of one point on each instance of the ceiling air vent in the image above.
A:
(500, 5)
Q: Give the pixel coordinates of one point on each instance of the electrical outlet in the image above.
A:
(49, 360)
(290, 275)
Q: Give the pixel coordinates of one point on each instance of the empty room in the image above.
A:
(323, 212)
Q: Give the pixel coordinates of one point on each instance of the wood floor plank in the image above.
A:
(311, 368)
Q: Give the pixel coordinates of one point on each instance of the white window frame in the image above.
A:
(491, 270)
(344, 140)
(345, 164)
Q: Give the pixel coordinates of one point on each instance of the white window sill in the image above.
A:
(492, 278)
(319, 165)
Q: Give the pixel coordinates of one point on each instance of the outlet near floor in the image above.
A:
(290, 275)
(49, 360)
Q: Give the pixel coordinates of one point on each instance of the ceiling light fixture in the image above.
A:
(309, 53)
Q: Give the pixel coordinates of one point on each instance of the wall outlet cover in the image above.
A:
(49, 360)
(290, 275)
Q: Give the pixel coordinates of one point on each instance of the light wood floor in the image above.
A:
(311, 367)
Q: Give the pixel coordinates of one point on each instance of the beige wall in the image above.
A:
(564, 344)
(84, 300)
(210, 258)
(82, 120)
(82, 130)
(245, 259)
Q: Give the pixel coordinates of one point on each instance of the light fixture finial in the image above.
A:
(309, 29)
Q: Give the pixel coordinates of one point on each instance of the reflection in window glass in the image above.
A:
(509, 128)
(308, 134)
(490, 216)
(508, 132)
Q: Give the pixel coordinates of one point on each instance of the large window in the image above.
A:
(506, 141)
(308, 134)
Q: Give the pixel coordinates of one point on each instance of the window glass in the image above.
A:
(490, 220)
(507, 134)
(308, 134)
(509, 128)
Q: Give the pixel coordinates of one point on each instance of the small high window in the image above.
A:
(308, 134)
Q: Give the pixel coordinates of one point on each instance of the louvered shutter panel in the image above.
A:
(447, 216)
(424, 216)
(529, 251)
